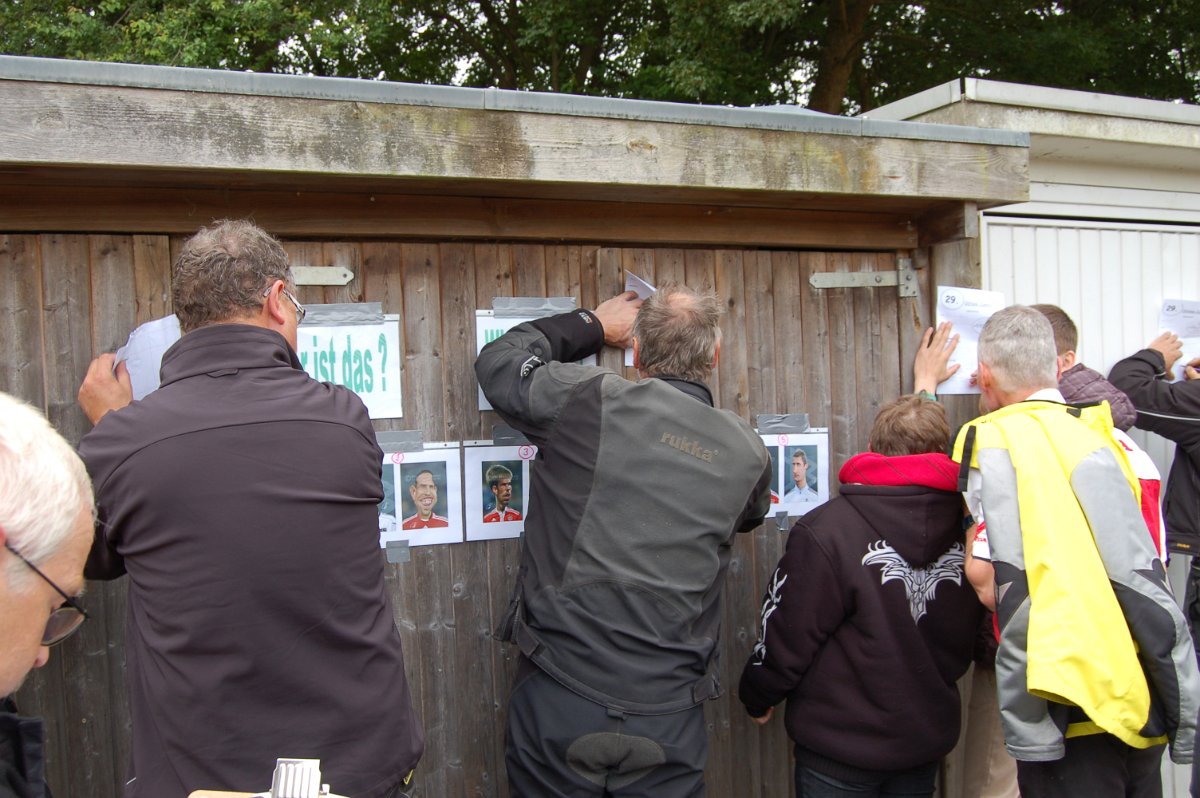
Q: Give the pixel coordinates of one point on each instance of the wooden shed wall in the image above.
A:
(836, 354)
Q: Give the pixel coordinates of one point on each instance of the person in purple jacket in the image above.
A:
(241, 500)
(1076, 382)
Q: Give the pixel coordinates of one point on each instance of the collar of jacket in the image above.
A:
(232, 346)
(696, 390)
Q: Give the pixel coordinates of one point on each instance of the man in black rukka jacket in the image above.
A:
(1172, 409)
(638, 493)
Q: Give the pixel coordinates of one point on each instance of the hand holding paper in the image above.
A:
(104, 387)
(932, 364)
(616, 315)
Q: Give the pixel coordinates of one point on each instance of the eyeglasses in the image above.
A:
(65, 620)
(301, 312)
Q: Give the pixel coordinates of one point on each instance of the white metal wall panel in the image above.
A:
(1111, 279)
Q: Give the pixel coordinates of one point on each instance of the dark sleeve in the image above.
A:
(103, 561)
(525, 374)
(1171, 409)
(760, 502)
(803, 606)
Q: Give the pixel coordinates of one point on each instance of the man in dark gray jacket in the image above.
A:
(639, 489)
(241, 500)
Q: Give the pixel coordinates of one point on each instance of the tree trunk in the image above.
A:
(840, 49)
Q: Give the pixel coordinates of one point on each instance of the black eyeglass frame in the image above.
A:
(71, 604)
(301, 311)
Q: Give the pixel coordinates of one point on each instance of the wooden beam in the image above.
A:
(943, 225)
(362, 215)
(159, 129)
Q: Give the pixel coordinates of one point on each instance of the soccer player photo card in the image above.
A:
(497, 488)
(422, 496)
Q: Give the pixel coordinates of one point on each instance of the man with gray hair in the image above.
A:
(640, 489)
(241, 499)
(45, 530)
(1095, 670)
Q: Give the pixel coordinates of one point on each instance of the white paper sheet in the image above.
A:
(143, 352)
(644, 290)
(968, 309)
(1182, 317)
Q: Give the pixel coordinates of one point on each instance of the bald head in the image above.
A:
(678, 334)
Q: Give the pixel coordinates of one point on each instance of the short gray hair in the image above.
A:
(1017, 344)
(43, 487)
(222, 271)
(677, 331)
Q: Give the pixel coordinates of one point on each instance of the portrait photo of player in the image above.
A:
(425, 503)
(501, 503)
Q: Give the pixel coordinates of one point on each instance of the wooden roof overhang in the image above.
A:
(111, 147)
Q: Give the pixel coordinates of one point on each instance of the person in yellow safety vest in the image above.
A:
(1095, 669)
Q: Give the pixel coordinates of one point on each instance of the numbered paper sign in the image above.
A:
(799, 470)
(422, 496)
(968, 309)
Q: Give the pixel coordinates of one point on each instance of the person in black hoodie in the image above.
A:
(869, 621)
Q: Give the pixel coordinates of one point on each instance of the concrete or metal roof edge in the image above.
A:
(1001, 93)
(1038, 97)
(920, 103)
(783, 118)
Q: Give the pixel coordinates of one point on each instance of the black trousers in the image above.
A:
(561, 745)
(1095, 766)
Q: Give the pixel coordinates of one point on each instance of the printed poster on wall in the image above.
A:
(800, 465)
(363, 357)
(489, 327)
(1182, 317)
(968, 309)
(422, 496)
(497, 489)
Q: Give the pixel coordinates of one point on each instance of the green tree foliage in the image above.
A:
(833, 55)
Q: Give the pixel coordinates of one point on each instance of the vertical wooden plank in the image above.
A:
(759, 297)
(151, 277)
(563, 271)
(817, 358)
(21, 370)
(913, 315)
(457, 269)
(306, 253)
(383, 282)
(474, 749)
(610, 281)
(347, 255)
(114, 315)
(493, 278)
(734, 383)
(868, 355)
(529, 269)
(502, 556)
(792, 332)
(669, 266)
(839, 305)
(589, 257)
(892, 374)
(430, 565)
